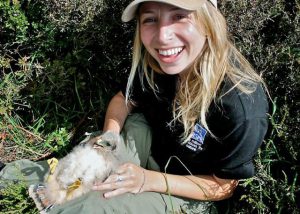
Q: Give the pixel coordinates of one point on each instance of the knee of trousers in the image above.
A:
(137, 133)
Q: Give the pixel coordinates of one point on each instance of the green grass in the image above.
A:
(14, 199)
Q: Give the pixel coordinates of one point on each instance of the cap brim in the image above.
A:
(130, 11)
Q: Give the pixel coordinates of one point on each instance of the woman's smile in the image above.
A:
(169, 55)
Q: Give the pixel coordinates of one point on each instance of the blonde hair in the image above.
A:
(200, 86)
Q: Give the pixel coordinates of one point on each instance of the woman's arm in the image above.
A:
(134, 179)
(116, 114)
(203, 187)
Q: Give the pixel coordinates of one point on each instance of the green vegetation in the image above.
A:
(61, 61)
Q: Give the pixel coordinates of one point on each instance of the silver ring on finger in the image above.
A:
(119, 178)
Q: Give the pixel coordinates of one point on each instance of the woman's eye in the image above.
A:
(148, 20)
(180, 16)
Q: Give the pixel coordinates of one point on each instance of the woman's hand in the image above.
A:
(128, 178)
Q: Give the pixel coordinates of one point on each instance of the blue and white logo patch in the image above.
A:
(197, 139)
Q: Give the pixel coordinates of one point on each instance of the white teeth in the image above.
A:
(170, 51)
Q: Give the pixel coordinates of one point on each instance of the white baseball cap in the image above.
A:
(130, 10)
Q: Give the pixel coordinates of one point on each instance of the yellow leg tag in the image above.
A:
(73, 186)
(52, 164)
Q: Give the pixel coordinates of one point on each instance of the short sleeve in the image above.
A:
(238, 149)
(123, 86)
(136, 91)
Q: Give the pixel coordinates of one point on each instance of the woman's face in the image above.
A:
(171, 35)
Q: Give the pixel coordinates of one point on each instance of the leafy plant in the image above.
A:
(14, 199)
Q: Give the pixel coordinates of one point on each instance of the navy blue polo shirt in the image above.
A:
(238, 121)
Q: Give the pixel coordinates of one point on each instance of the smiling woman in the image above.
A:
(204, 103)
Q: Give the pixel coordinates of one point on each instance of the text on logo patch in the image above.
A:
(197, 139)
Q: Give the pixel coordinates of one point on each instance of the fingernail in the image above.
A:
(106, 195)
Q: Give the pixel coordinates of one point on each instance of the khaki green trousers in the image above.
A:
(137, 138)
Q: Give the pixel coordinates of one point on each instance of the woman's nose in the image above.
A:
(165, 33)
